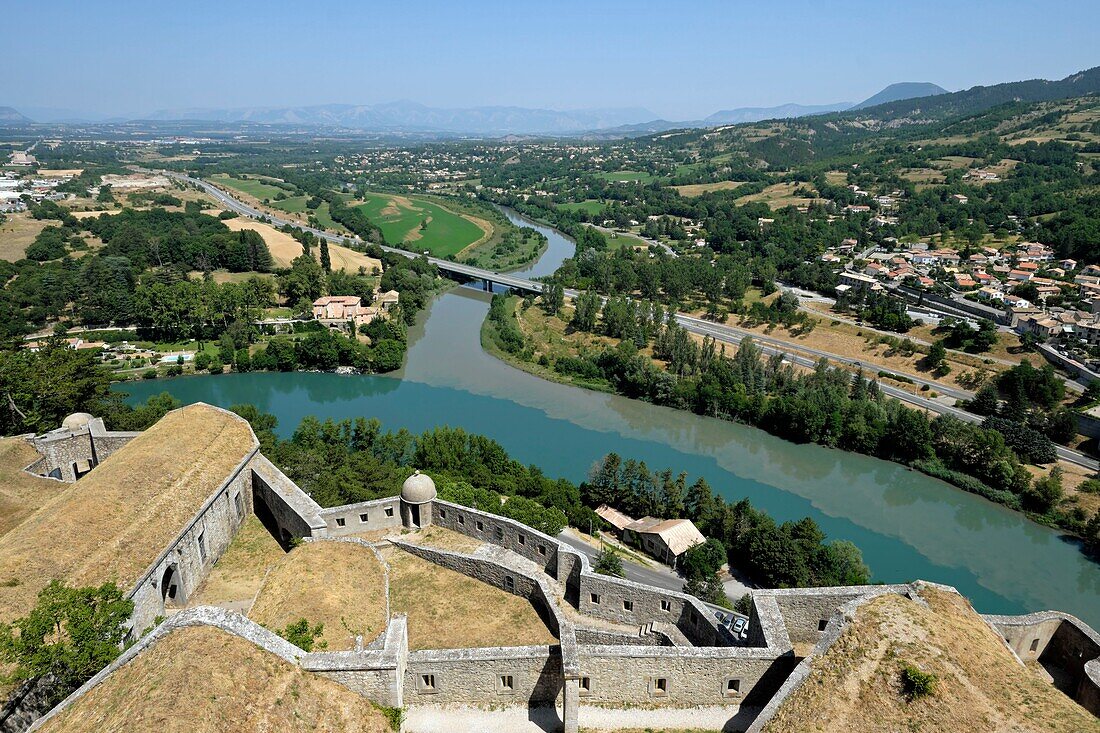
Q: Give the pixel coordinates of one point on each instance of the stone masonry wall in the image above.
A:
(195, 549)
(474, 676)
(1059, 639)
(628, 676)
(281, 503)
(366, 516)
(571, 568)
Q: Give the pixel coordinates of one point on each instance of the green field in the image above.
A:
(589, 206)
(634, 176)
(400, 219)
(293, 205)
(250, 186)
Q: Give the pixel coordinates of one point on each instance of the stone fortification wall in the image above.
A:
(195, 550)
(377, 674)
(531, 544)
(510, 579)
(366, 516)
(680, 677)
(806, 611)
(1061, 640)
(619, 600)
(506, 676)
(63, 452)
(286, 510)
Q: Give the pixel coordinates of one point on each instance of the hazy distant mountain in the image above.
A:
(412, 116)
(902, 90)
(979, 99)
(783, 111)
(10, 116)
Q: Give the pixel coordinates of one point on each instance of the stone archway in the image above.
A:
(171, 587)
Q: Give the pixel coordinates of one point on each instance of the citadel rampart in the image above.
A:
(677, 658)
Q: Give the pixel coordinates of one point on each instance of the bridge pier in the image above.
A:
(487, 285)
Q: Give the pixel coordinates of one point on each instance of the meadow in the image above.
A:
(420, 225)
(588, 206)
(251, 186)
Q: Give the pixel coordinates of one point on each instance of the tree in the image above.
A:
(553, 298)
(587, 308)
(326, 260)
(69, 635)
(937, 355)
(608, 562)
(387, 355)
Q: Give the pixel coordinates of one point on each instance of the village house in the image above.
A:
(664, 539)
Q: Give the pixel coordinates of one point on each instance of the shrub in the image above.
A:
(302, 635)
(917, 684)
(608, 562)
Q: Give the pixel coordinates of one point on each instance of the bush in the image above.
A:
(302, 635)
(917, 684)
(608, 562)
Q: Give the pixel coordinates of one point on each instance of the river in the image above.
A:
(908, 525)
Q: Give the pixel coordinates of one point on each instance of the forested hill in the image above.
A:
(978, 99)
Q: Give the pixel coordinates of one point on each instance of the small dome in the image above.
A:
(418, 489)
(77, 421)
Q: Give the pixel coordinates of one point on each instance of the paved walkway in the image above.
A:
(452, 718)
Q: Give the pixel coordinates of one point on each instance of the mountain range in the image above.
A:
(897, 101)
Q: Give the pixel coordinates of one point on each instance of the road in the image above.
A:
(658, 577)
(796, 353)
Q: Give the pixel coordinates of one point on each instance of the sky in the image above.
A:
(681, 60)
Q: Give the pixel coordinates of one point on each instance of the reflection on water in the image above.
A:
(907, 524)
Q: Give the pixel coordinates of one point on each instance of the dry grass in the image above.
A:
(113, 523)
(204, 680)
(855, 686)
(17, 233)
(284, 248)
(443, 539)
(339, 584)
(698, 189)
(20, 492)
(59, 172)
(239, 572)
(449, 610)
(780, 195)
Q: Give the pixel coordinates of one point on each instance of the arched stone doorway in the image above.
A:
(171, 587)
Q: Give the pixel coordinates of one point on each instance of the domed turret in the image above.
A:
(418, 489)
(77, 421)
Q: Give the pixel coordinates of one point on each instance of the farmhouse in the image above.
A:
(175, 513)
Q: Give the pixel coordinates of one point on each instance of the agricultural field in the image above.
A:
(698, 189)
(250, 186)
(420, 225)
(627, 176)
(16, 234)
(779, 195)
(292, 205)
(588, 206)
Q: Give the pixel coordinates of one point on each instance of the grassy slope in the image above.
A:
(338, 584)
(20, 492)
(856, 687)
(204, 680)
(448, 610)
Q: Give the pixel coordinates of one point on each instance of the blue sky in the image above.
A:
(681, 60)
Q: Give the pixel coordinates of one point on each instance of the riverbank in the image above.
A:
(546, 347)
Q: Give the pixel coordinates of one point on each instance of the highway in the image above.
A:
(795, 353)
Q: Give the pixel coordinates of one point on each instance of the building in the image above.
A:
(664, 539)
